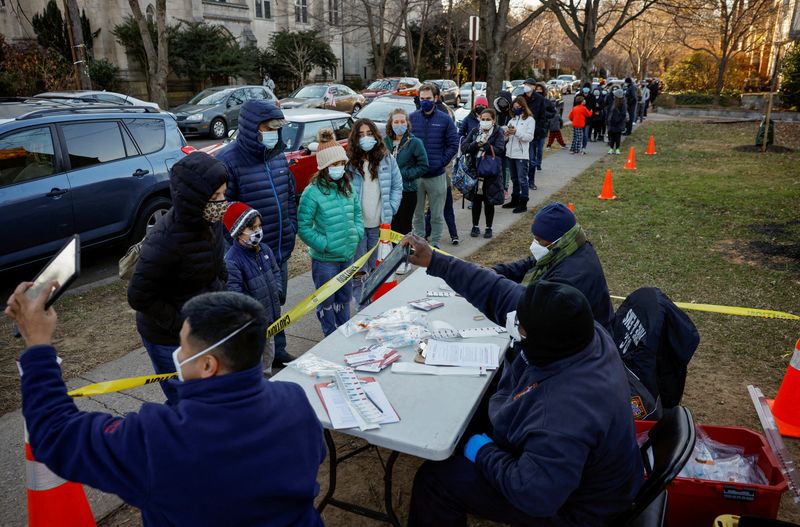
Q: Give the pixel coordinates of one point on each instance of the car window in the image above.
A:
(150, 134)
(113, 99)
(130, 146)
(342, 127)
(257, 93)
(237, 98)
(93, 143)
(25, 155)
(310, 131)
(289, 136)
(347, 90)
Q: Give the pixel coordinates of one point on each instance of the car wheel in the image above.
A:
(356, 108)
(152, 211)
(218, 129)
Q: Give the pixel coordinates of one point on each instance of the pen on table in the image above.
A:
(373, 402)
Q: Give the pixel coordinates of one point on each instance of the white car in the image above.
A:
(461, 112)
(97, 96)
(466, 91)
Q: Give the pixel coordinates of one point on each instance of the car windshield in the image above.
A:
(209, 96)
(309, 92)
(383, 84)
(378, 110)
(565, 78)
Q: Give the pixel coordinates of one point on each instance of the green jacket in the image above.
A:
(411, 158)
(329, 223)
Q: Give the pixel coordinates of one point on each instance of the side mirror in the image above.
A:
(313, 147)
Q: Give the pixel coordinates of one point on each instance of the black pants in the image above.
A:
(403, 219)
(629, 123)
(477, 203)
(614, 139)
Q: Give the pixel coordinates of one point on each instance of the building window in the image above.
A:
(301, 11)
(263, 9)
(150, 14)
(333, 12)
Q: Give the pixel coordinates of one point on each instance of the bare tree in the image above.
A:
(496, 35)
(591, 24)
(425, 7)
(720, 28)
(382, 20)
(644, 40)
(156, 53)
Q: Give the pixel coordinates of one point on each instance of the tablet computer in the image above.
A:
(397, 256)
(64, 268)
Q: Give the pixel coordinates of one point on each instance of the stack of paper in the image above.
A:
(345, 414)
(439, 353)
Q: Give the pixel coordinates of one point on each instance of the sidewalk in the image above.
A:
(559, 168)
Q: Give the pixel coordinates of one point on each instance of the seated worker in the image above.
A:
(228, 453)
(561, 253)
(561, 447)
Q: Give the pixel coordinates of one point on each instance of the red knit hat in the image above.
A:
(482, 101)
(238, 216)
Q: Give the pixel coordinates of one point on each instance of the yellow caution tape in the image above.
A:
(731, 310)
(118, 385)
(395, 237)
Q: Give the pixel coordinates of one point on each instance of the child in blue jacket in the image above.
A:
(252, 266)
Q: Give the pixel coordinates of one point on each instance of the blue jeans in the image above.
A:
(335, 310)
(281, 354)
(370, 239)
(519, 178)
(161, 357)
(536, 157)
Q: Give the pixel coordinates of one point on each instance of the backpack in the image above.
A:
(464, 177)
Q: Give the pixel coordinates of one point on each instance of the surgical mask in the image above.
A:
(179, 364)
(399, 129)
(585, 90)
(512, 326)
(604, 92)
(486, 125)
(538, 250)
(255, 237)
(367, 143)
(527, 88)
(269, 139)
(596, 93)
(336, 173)
(426, 106)
(517, 111)
(215, 210)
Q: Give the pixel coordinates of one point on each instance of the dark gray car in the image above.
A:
(449, 91)
(215, 110)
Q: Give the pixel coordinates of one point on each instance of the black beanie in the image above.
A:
(557, 320)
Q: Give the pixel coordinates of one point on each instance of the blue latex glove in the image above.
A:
(474, 444)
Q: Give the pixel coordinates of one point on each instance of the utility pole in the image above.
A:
(473, 36)
(79, 62)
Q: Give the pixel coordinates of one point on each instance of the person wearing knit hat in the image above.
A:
(556, 443)
(560, 251)
(329, 221)
(616, 118)
(472, 120)
(252, 267)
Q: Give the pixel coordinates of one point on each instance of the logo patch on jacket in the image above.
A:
(527, 389)
(637, 407)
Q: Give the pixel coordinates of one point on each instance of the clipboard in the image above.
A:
(388, 266)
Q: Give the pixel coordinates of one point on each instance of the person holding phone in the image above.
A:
(519, 135)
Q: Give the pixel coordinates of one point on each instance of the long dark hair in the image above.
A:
(324, 181)
(520, 100)
(357, 156)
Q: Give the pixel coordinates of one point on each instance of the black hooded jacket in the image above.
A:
(182, 256)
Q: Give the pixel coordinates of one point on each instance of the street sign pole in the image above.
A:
(473, 36)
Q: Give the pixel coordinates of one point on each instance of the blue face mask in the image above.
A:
(426, 106)
(269, 139)
(517, 111)
(367, 143)
(399, 129)
(586, 90)
(336, 173)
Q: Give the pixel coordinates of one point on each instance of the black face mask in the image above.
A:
(479, 110)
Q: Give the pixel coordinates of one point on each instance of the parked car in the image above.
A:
(96, 96)
(96, 170)
(574, 82)
(325, 95)
(403, 86)
(300, 137)
(517, 82)
(466, 90)
(553, 94)
(378, 110)
(449, 91)
(215, 110)
(507, 86)
(563, 86)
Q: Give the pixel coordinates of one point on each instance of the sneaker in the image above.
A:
(470, 205)
(488, 233)
(610, 151)
(475, 232)
(583, 152)
(454, 240)
(617, 152)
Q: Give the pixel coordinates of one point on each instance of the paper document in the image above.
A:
(413, 368)
(439, 353)
(340, 411)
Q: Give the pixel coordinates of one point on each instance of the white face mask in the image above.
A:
(486, 125)
(538, 250)
(512, 326)
(527, 88)
(178, 364)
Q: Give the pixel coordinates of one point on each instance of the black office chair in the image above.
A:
(672, 440)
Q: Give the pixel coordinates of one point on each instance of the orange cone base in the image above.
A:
(63, 506)
(784, 428)
(383, 289)
(613, 196)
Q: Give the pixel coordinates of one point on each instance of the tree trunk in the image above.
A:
(723, 66)
(157, 58)
(584, 74)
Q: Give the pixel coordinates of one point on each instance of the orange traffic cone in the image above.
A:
(384, 248)
(52, 501)
(786, 403)
(651, 146)
(630, 164)
(571, 207)
(608, 187)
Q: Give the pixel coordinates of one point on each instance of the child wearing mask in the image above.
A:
(579, 114)
(329, 221)
(252, 267)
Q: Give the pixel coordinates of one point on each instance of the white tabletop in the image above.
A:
(434, 411)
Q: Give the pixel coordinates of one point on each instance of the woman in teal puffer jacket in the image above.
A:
(329, 221)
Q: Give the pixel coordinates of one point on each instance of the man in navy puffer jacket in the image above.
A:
(561, 447)
(259, 176)
(236, 449)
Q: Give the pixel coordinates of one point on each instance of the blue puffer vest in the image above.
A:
(261, 178)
